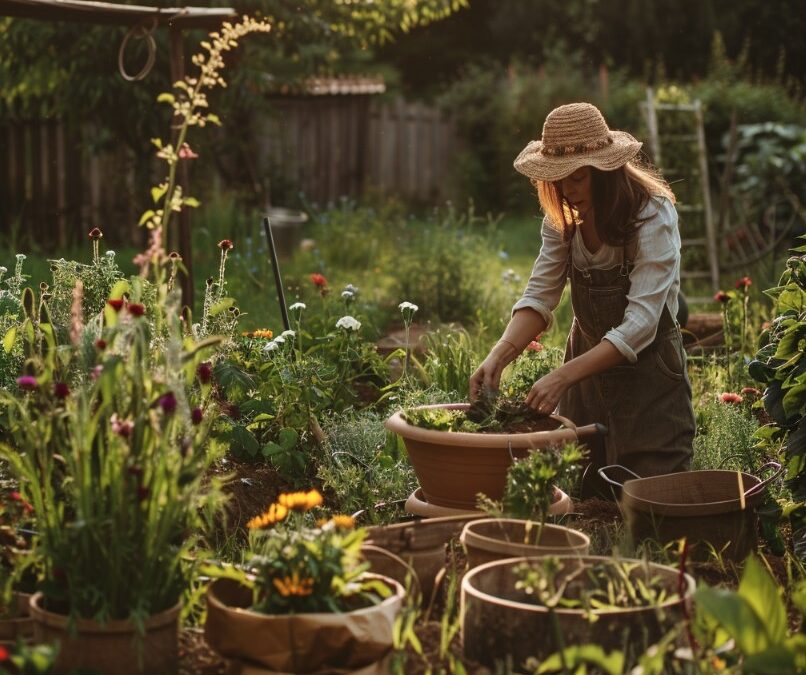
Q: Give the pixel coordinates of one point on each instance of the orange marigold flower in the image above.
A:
(300, 501)
(342, 522)
(730, 397)
(293, 585)
(274, 514)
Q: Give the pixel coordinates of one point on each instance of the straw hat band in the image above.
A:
(574, 149)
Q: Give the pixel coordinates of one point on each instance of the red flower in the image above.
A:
(721, 296)
(534, 346)
(205, 372)
(168, 403)
(95, 234)
(136, 309)
(142, 493)
(117, 305)
(61, 390)
(743, 283)
(15, 496)
(4, 654)
(196, 415)
(226, 245)
(100, 345)
(121, 427)
(318, 280)
(186, 153)
(730, 397)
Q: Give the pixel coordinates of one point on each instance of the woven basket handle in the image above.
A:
(603, 473)
(759, 487)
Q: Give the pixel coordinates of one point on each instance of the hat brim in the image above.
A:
(531, 162)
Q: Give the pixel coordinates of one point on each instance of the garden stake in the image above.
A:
(278, 281)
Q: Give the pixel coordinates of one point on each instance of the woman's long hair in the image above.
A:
(618, 198)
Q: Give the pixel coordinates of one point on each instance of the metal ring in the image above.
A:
(141, 32)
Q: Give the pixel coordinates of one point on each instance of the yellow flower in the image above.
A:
(263, 333)
(343, 522)
(274, 514)
(293, 585)
(301, 501)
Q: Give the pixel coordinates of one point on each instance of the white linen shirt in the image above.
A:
(654, 280)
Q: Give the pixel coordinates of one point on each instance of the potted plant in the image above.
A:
(524, 607)
(460, 450)
(301, 601)
(113, 466)
(513, 531)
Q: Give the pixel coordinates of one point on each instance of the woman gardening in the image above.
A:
(610, 226)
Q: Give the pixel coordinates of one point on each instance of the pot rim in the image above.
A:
(472, 538)
(468, 589)
(528, 440)
(398, 595)
(702, 508)
(63, 621)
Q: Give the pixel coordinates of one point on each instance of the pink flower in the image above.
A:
(186, 153)
(730, 397)
(95, 373)
(121, 427)
(743, 283)
(534, 346)
(721, 296)
(27, 382)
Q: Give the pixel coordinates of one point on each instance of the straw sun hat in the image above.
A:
(575, 135)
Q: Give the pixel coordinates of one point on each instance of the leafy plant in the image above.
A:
(295, 566)
(780, 365)
(754, 618)
(489, 413)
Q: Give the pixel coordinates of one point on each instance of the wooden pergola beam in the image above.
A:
(111, 13)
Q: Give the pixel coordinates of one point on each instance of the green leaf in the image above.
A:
(148, 215)
(777, 660)
(243, 441)
(579, 655)
(158, 192)
(795, 400)
(192, 202)
(157, 142)
(287, 438)
(736, 616)
(221, 305)
(271, 449)
(9, 339)
(214, 119)
(761, 592)
(165, 97)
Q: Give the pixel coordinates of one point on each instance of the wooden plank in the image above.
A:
(61, 186)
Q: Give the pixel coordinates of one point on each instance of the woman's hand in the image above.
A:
(488, 374)
(545, 394)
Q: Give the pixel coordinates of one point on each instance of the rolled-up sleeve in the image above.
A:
(545, 286)
(656, 270)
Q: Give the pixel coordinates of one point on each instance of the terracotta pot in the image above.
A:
(417, 506)
(299, 643)
(453, 467)
(18, 627)
(499, 622)
(499, 538)
(418, 545)
(112, 647)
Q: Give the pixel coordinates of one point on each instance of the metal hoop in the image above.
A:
(139, 31)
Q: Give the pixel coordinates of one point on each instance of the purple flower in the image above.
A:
(27, 382)
(168, 403)
(196, 415)
(61, 390)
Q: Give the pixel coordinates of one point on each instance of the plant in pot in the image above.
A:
(17, 579)
(113, 465)
(301, 601)
(521, 608)
(518, 523)
(460, 450)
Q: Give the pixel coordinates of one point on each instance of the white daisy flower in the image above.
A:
(408, 306)
(290, 334)
(279, 340)
(348, 323)
(347, 295)
(297, 307)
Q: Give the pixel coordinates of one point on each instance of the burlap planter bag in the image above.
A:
(500, 538)
(299, 643)
(715, 510)
(500, 624)
(111, 647)
(453, 467)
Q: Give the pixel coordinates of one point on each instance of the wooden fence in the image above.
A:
(54, 186)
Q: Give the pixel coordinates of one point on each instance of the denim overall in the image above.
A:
(646, 405)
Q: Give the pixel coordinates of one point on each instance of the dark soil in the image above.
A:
(535, 422)
(196, 657)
